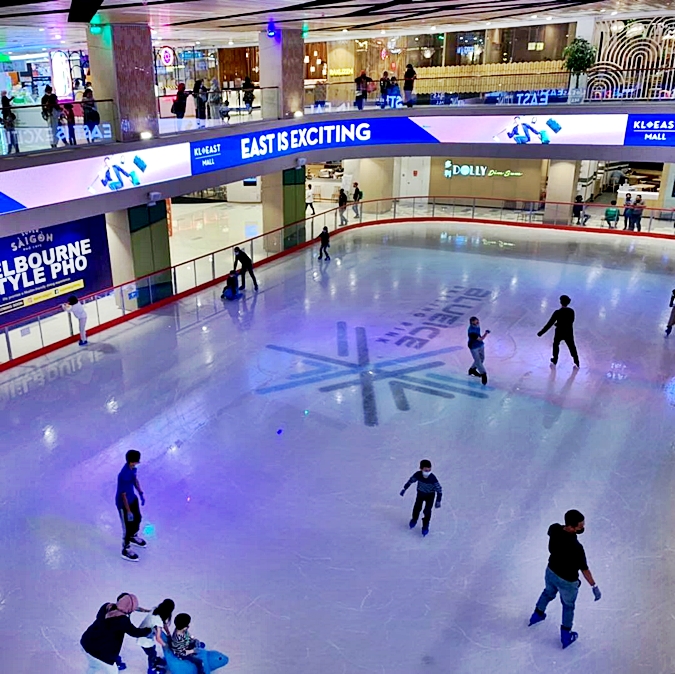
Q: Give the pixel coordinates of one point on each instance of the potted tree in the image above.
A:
(578, 57)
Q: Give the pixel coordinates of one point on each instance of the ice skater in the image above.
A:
(427, 488)
(183, 645)
(246, 266)
(158, 619)
(567, 558)
(477, 349)
(231, 289)
(324, 237)
(563, 319)
(671, 320)
(102, 640)
(127, 505)
(75, 307)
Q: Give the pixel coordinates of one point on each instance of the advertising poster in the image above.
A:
(83, 178)
(41, 268)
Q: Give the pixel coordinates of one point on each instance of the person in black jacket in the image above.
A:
(324, 237)
(567, 558)
(102, 640)
(246, 266)
(428, 487)
(563, 319)
(342, 206)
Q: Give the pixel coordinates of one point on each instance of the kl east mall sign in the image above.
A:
(476, 171)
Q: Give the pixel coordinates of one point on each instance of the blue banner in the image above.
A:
(650, 130)
(40, 269)
(229, 151)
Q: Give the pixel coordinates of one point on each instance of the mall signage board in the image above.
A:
(81, 178)
(451, 169)
(41, 268)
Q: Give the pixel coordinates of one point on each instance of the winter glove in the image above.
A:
(130, 516)
(402, 492)
(142, 499)
(596, 592)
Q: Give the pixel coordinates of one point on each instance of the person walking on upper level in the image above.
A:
(563, 319)
(215, 99)
(343, 199)
(309, 199)
(51, 111)
(363, 83)
(567, 558)
(385, 83)
(179, 105)
(358, 196)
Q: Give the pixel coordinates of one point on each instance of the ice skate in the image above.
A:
(536, 617)
(412, 524)
(139, 542)
(425, 531)
(567, 637)
(483, 378)
(129, 555)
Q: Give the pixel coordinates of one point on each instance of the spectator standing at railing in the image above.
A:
(627, 210)
(343, 199)
(50, 113)
(409, 84)
(636, 214)
(215, 99)
(10, 133)
(74, 306)
(90, 114)
(394, 95)
(358, 196)
(247, 87)
(6, 103)
(385, 83)
(363, 83)
(179, 105)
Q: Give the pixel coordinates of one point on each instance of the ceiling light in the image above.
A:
(534, 16)
(602, 11)
(42, 30)
(344, 30)
(57, 37)
(298, 113)
(433, 28)
(383, 32)
(614, 13)
(63, 42)
(146, 135)
(487, 23)
(44, 48)
(549, 18)
(230, 43)
(153, 30)
(197, 42)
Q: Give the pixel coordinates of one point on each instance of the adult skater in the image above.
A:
(127, 505)
(246, 266)
(324, 237)
(75, 307)
(102, 640)
(671, 320)
(567, 558)
(427, 488)
(563, 319)
(477, 348)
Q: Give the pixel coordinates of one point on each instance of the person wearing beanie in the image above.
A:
(102, 640)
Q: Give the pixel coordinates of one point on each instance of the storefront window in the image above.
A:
(465, 49)
(184, 64)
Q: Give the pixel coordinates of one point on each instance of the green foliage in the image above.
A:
(578, 56)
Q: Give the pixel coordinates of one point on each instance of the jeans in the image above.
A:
(130, 529)
(426, 500)
(343, 217)
(478, 355)
(97, 666)
(568, 596)
(355, 208)
(569, 340)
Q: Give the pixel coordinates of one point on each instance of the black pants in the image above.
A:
(569, 340)
(311, 205)
(243, 277)
(343, 217)
(426, 500)
(152, 656)
(322, 250)
(130, 529)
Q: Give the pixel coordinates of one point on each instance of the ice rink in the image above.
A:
(277, 432)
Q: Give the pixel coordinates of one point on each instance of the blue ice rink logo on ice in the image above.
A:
(402, 375)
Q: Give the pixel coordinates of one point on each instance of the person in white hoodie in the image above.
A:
(159, 619)
(309, 199)
(77, 309)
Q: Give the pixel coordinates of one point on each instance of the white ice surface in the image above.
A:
(292, 552)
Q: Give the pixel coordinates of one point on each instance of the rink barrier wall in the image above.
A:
(154, 305)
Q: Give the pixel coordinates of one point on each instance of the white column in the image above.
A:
(561, 187)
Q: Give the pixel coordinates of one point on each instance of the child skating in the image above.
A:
(427, 488)
(671, 319)
(324, 238)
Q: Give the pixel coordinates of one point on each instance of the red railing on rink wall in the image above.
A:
(46, 331)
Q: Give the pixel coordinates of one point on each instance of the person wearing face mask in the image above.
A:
(427, 488)
(567, 558)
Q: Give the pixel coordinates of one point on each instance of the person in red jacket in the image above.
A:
(102, 640)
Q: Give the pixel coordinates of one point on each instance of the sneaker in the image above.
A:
(536, 617)
(136, 540)
(412, 524)
(327, 257)
(83, 343)
(256, 289)
(425, 531)
(567, 637)
(129, 555)
(484, 378)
